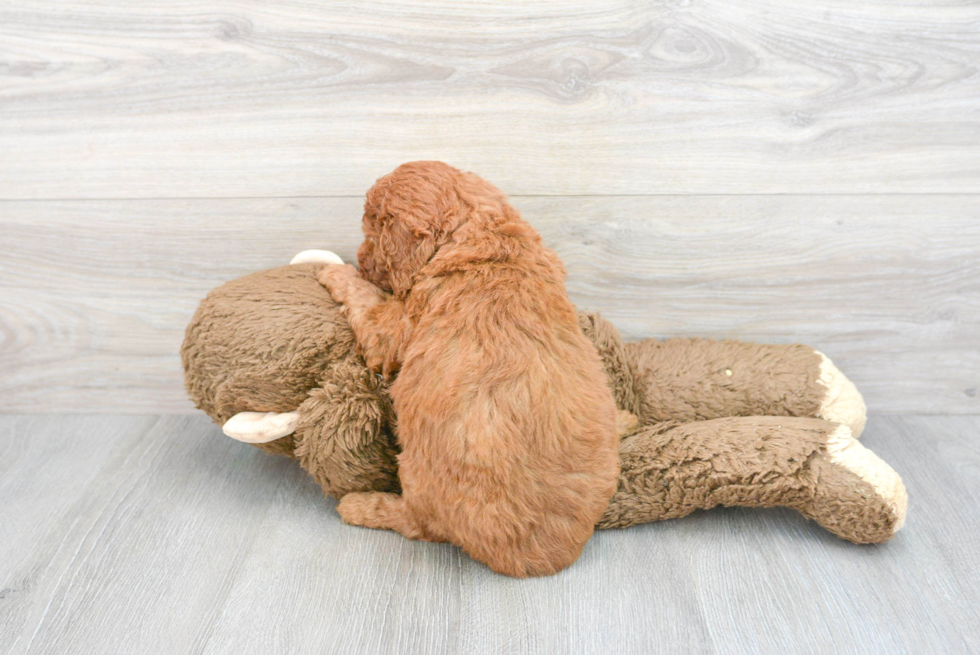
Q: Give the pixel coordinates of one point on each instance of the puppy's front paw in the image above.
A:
(337, 278)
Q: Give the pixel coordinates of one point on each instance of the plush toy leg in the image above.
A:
(383, 511)
(811, 465)
(344, 437)
(701, 379)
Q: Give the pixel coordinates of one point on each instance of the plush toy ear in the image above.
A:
(317, 257)
(259, 427)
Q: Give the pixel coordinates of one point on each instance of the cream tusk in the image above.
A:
(317, 257)
(260, 427)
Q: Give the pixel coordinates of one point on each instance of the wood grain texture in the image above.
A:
(111, 537)
(95, 295)
(161, 534)
(244, 98)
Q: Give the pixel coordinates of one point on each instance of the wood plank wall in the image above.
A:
(805, 171)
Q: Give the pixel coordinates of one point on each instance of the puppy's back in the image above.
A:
(506, 421)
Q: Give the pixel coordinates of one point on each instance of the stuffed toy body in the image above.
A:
(271, 358)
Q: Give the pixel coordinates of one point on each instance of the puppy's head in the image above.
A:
(413, 212)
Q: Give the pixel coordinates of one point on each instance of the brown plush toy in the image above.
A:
(270, 357)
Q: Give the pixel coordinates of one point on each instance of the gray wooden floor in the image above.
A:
(156, 534)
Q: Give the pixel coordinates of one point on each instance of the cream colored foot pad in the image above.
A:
(843, 403)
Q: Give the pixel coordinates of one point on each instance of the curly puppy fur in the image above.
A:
(505, 418)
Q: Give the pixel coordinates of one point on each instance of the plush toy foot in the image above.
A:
(259, 427)
(316, 257)
(857, 496)
(343, 438)
(843, 402)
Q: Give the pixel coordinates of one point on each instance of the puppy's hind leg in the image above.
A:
(384, 511)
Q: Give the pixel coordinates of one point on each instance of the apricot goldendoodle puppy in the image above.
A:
(505, 420)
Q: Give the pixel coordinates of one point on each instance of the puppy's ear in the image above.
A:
(492, 233)
(408, 245)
